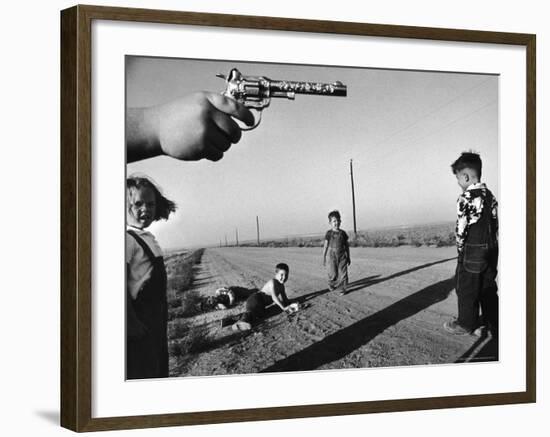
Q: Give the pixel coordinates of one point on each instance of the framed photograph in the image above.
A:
(268, 218)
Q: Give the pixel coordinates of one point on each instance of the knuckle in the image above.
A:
(237, 136)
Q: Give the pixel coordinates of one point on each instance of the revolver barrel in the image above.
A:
(284, 87)
(251, 90)
(256, 92)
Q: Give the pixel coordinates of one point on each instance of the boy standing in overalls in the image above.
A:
(477, 244)
(337, 247)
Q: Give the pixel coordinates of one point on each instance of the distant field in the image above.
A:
(434, 235)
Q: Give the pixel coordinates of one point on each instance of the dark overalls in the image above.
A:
(337, 267)
(255, 306)
(476, 272)
(147, 357)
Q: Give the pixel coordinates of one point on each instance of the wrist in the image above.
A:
(151, 130)
(142, 138)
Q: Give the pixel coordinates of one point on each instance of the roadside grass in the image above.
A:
(433, 235)
(184, 337)
(180, 271)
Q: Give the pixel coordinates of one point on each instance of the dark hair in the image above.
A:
(164, 206)
(335, 214)
(469, 160)
(282, 266)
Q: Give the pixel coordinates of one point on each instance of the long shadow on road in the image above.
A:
(367, 282)
(345, 341)
(371, 280)
(361, 283)
(484, 349)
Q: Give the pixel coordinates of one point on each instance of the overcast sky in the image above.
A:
(402, 129)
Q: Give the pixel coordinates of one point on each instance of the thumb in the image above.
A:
(231, 107)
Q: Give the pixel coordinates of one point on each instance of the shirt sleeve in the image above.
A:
(327, 236)
(494, 215)
(469, 210)
(462, 222)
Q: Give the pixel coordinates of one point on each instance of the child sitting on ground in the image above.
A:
(272, 292)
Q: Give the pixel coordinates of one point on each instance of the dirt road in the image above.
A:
(393, 315)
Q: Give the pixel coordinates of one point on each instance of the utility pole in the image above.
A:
(225, 240)
(353, 196)
(237, 236)
(258, 230)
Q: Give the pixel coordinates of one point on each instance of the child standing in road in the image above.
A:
(146, 307)
(337, 247)
(477, 244)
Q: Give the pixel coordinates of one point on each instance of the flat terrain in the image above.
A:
(393, 315)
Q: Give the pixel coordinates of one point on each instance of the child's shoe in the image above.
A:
(480, 331)
(241, 326)
(454, 328)
(485, 331)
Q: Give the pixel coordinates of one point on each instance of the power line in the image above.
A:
(437, 109)
(353, 196)
(464, 117)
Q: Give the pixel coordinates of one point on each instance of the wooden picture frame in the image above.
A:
(76, 217)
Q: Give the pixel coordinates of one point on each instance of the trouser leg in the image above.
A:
(332, 270)
(468, 290)
(343, 272)
(141, 359)
(489, 300)
(255, 308)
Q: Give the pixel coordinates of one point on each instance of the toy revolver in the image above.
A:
(255, 92)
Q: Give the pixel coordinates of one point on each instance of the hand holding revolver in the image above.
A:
(200, 125)
(205, 124)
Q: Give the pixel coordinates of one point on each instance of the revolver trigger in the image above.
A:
(256, 120)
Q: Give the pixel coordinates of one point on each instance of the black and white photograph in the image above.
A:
(275, 218)
(290, 218)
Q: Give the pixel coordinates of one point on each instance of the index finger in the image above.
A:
(231, 107)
